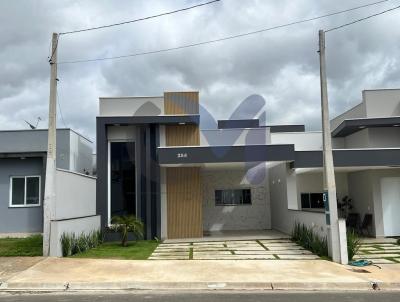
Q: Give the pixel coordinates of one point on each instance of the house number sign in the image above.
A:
(181, 155)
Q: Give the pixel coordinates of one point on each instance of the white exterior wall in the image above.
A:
(75, 195)
(78, 226)
(357, 111)
(384, 137)
(281, 195)
(361, 192)
(313, 183)
(256, 216)
(365, 190)
(234, 137)
(302, 140)
(376, 176)
(74, 210)
(80, 155)
(128, 106)
(382, 103)
(121, 133)
(359, 139)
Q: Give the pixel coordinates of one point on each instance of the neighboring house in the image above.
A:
(23, 169)
(153, 161)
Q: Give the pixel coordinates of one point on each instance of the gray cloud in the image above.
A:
(282, 65)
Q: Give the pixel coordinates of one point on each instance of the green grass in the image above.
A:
(139, 250)
(13, 247)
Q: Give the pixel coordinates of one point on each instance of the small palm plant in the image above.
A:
(126, 224)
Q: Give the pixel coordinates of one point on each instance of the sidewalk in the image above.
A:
(98, 274)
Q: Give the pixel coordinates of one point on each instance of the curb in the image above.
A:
(311, 286)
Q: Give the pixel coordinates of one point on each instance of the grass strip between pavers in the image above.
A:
(260, 243)
(191, 251)
(390, 259)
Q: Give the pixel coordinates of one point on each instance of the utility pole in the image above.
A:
(50, 191)
(331, 214)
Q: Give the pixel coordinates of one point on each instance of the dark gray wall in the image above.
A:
(231, 124)
(19, 220)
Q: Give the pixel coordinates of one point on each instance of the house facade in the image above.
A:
(22, 174)
(154, 161)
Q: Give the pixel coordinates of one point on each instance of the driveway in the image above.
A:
(379, 251)
(255, 249)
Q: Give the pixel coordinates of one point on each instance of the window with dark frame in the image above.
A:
(24, 191)
(312, 200)
(233, 197)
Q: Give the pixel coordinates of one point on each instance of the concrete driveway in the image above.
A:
(255, 249)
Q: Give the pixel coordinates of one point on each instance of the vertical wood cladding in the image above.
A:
(184, 203)
(182, 135)
(181, 102)
(184, 199)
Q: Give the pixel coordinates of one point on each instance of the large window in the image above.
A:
(312, 200)
(122, 178)
(232, 197)
(24, 191)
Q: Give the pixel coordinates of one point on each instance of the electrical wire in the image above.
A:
(224, 38)
(140, 19)
(60, 110)
(362, 19)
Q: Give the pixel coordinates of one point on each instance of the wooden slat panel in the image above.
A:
(182, 135)
(181, 102)
(184, 203)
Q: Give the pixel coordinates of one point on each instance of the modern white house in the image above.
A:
(155, 161)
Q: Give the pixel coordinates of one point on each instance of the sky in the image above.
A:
(282, 65)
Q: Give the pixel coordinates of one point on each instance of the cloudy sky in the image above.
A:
(280, 65)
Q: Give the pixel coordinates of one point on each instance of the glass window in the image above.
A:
(232, 197)
(123, 178)
(317, 200)
(312, 200)
(18, 191)
(32, 190)
(25, 191)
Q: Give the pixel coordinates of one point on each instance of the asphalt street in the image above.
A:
(205, 296)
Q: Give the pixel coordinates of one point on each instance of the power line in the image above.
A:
(140, 19)
(362, 19)
(60, 110)
(224, 38)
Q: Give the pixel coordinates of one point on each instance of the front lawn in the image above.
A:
(140, 250)
(14, 247)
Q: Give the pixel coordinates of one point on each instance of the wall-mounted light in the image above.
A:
(361, 127)
(182, 123)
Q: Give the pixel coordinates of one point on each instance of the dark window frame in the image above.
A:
(310, 201)
(245, 198)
